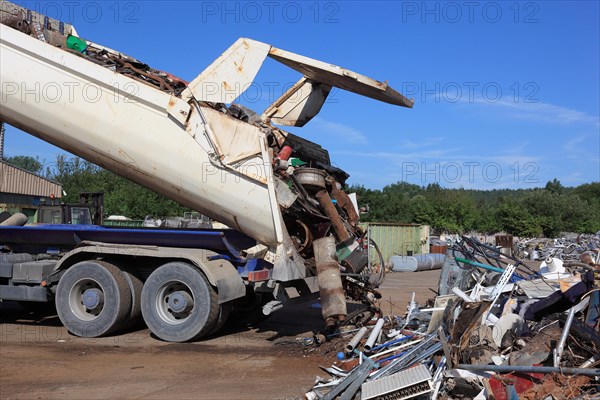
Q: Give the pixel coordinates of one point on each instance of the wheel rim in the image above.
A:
(86, 299)
(174, 302)
(376, 275)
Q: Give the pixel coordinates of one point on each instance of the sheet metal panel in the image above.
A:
(19, 181)
(333, 75)
(398, 239)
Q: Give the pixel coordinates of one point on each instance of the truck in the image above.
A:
(294, 233)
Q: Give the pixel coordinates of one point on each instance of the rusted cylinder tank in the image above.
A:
(331, 212)
(333, 299)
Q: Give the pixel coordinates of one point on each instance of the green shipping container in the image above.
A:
(398, 239)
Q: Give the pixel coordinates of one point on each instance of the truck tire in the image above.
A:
(135, 287)
(224, 311)
(178, 303)
(93, 299)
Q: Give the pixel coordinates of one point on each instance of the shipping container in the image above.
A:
(398, 239)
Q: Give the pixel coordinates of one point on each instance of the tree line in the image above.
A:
(121, 196)
(546, 211)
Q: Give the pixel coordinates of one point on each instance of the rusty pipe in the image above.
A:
(332, 213)
(333, 298)
(343, 200)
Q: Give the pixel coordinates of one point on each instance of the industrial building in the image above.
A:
(22, 190)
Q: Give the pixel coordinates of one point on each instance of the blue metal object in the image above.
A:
(180, 302)
(250, 266)
(390, 358)
(511, 392)
(92, 298)
(381, 346)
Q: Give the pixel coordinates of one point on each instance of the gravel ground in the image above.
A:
(39, 359)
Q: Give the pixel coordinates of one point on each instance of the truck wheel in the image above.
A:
(178, 303)
(224, 311)
(93, 299)
(135, 287)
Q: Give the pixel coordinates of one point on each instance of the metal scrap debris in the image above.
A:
(500, 328)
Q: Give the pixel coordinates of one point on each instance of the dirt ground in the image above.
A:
(39, 359)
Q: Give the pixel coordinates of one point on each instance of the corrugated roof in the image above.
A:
(19, 181)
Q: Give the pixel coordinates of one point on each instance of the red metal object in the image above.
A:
(521, 381)
(255, 276)
(285, 153)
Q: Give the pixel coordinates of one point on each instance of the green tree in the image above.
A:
(453, 209)
(554, 186)
(516, 220)
(589, 192)
(422, 210)
(486, 219)
(121, 196)
(26, 162)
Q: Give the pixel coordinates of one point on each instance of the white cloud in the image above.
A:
(339, 130)
(412, 144)
(541, 112)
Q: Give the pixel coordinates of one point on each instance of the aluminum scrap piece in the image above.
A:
(506, 276)
(333, 382)
(406, 362)
(563, 338)
(393, 349)
(438, 377)
(423, 348)
(392, 342)
(347, 381)
(354, 386)
(402, 385)
(334, 372)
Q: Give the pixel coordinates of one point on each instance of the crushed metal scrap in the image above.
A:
(498, 329)
(567, 248)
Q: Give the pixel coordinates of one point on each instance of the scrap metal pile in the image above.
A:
(498, 329)
(63, 35)
(564, 248)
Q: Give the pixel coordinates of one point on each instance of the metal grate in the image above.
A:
(402, 385)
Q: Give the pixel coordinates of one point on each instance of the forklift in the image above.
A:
(89, 210)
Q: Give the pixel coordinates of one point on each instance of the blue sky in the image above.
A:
(506, 93)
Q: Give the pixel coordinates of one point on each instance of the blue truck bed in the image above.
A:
(58, 238)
